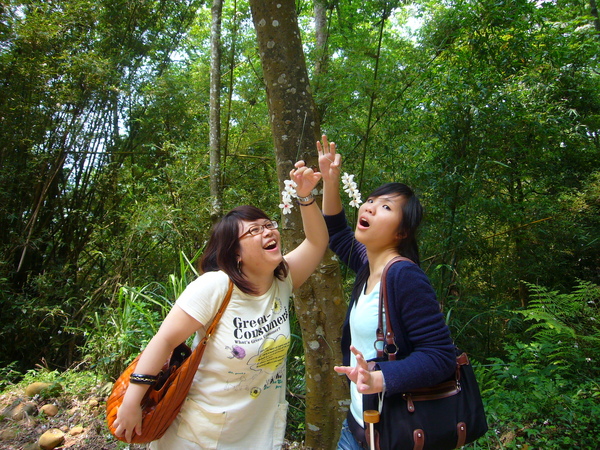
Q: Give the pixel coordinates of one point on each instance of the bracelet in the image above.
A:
(308, 198)
(140, 378)
(307, 204)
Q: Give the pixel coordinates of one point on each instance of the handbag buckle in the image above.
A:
(381, 347)
(391, 349)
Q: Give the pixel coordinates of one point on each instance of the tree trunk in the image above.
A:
(215, 111)
(594, 12)
(319, 304)
(321, 35)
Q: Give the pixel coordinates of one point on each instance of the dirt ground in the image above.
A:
(87, 413)
(72, 412)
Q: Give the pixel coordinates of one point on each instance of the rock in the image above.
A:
(76, 430)
(50, 410)
(7, 434)
(6, 412)
(32, 446)
(20, 409)
(51, 439)
(35, 388)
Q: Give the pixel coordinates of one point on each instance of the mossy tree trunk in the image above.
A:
(320, 303)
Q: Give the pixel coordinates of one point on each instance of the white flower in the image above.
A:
(286, 207)
(289, 192)
(351, 188)
(355, 203)
(290, 187)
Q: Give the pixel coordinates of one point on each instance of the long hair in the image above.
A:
(224, 246)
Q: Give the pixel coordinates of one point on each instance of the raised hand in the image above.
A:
(305, 178)
(329, 161)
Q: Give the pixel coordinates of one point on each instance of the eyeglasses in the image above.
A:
(255, 230)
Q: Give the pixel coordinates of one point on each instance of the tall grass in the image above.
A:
(123, 328)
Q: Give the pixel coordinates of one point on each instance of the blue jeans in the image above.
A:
(347, 441)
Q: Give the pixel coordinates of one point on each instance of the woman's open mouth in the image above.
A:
(271, 245)
(364, 223)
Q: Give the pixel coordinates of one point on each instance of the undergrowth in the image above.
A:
(543, 392)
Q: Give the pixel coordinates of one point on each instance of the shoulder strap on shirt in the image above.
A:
(386, 344)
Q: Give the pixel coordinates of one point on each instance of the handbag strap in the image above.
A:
(386, 343)
(199, 350)
(220, 312)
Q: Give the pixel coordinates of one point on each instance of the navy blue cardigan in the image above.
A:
(415, 315)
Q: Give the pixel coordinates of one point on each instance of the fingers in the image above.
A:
(329, 160)
(121, 430)
(301, 168)
(298, 165)
(350, 372)
(344, 370)
(337, 160)
(367, 381)
(360, 359)
(127, 433)
(303, 174)
(326, 148)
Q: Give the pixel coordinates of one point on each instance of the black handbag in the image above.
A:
(445, 416)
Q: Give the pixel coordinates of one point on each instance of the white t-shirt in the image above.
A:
(363, 327)
(237, 399)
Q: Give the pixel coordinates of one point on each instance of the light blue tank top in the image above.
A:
(363, 327)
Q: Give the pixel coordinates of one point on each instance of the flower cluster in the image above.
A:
(289, 193)
(351, 189)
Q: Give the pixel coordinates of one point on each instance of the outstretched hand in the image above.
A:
(330, 162)
(367, 382)
(305, 178)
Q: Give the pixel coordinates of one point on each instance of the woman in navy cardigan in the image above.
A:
(386, 228)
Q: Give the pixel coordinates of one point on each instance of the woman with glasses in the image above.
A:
(237, 399)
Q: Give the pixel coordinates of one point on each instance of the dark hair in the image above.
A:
(412, 213)
(224, 246)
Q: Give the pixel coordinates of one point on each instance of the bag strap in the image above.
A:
(387, 343)
(199, 350)
(220, 312)
(389, 346)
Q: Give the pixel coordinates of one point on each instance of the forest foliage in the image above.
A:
(489, 109)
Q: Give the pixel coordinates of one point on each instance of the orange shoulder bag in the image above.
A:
(165, 397)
